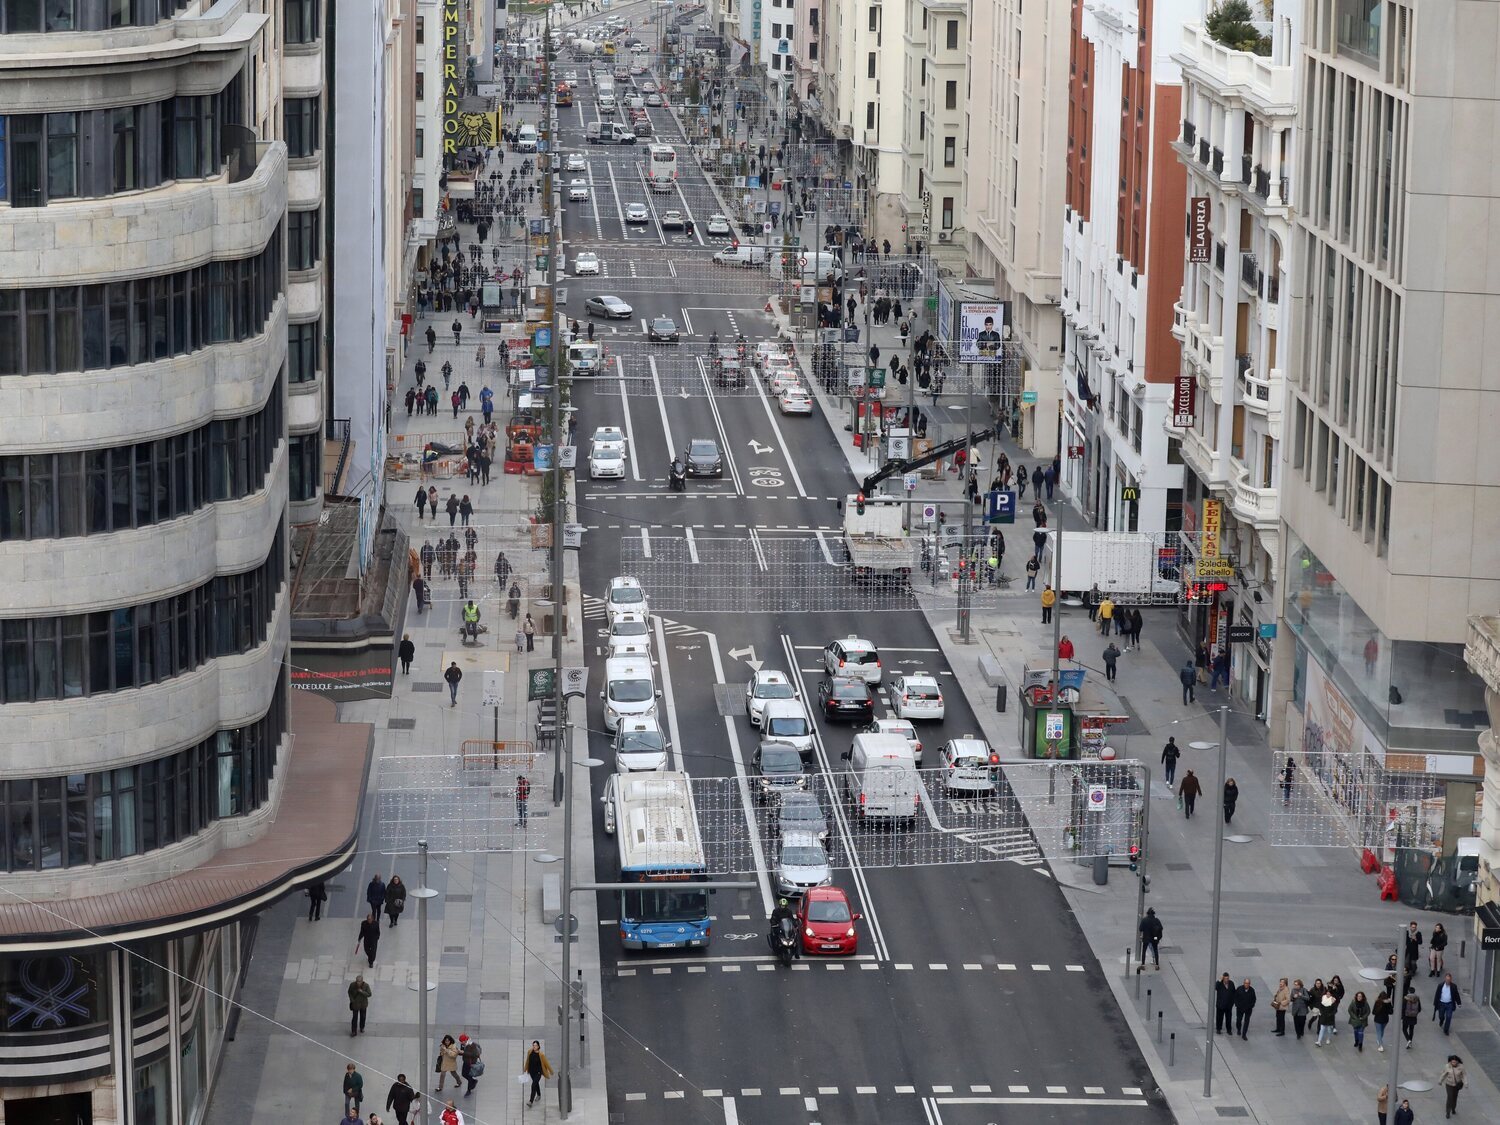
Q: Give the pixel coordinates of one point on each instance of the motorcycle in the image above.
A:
(783, 941)
(678, 476)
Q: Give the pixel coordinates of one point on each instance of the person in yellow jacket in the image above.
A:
(536, 1068)
(1049, 599)
(1106, 615)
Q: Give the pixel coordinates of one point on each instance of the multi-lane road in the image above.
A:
(974, 997)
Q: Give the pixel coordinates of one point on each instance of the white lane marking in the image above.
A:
(687, 210)
(828, 1090)
(1093, 1089)
(1006, 968)
(786, 450)
(903, 967)
(865, 1090)
(823, 546)
(937, 966)
(635, 468)
(666, 689)
(594, 203)
(692, 546)
(986, 1090)
(713, 407)
(1042, 1101)
(661, 234)
(1041, 968)
(790, 1091)
(1136, 1090)
(646, 542)
(671, 1093)
(643, 326)
(687, 321)
(744, 788)
(871, 915)
(661, 406)
(972, 967)
(1074, 968)
(751, 1091)
(760, 555)
(731, 1115)
(614, 190)
(640, 1097)
(809, 1104)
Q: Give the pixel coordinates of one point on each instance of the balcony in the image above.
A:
(1203, 153)
(1260, 395)
(872, 138)
(1251, 273)
(1245, 165)
(1228, 74)
(1202, 460)
(1269, 312)
(1189, 133)
(1261, 184)
(1218, 162)
(1258, 506)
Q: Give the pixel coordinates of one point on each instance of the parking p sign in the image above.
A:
(1098, 798)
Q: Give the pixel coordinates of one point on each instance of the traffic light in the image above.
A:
(859, 502)
(1135, 856)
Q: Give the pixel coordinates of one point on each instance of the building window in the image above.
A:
(950, 95)
(952, 35)
(418, 202)
(302, 127)
(306, 465)
(812, 52)
(303, 22)
(20, 17)
(86, 327)
(947, 212)
(421, 86)
(303, 353)
(125, 148)
(421, 30)
(874, 18)
(870, 65)
(97, 491)
(1359, 27)
(869, 115)
(950, 151)
(420, 142)
(88, 654)
(303, 249)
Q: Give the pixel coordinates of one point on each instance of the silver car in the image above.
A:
(802, 865)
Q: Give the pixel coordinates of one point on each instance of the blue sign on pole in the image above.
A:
(1000, 507)
(1268, 631)
(541, 458)
(544, 337)
(752, 181)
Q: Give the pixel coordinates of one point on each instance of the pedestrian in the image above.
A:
(354, 1090)
(427, 554)
(1336, 990)
(450, 1114)
(406, 653)
(479, 358)
(513, 602)
(452, 676)
(1288, 775)
(1231, 798)
(473, 1066)
(317, 895)
(523, 794)
(1151, 931)
(421, 502)
(1038, 545)
(1038, 478)
(1189, 677)
(1065, 649)
(452, 509)
(1380, 1016)
(447, 1063)
(1382, 1103)
(1411, 1008)
(1187, 793)
(536, 1067)
(369, 937)
(1091, 602)
(1244, 1004)
(447, 370)
(1111, 658)
(411, 400)
(1106, 615)
(1359, 1019)
(1039, 514)
(1437, 941)
(1328, 1014)
(466, 509)
(359, 1004)
(1169, 755)
(1049, 597)
(1445, 1001)
(529, 628)
(375, 894)
(1452, 1081)
(395, 899)
(1301, 1001)
(399, 1098)
(1221, 670)
(1404, 1114)
(431, 339)
(1281, 1000)
(1021, 481)
(432, 498)
(1033, 568)
(1224, 1005)
(458, 330)
(1413, 948)
(457, 404)
(1136, 622)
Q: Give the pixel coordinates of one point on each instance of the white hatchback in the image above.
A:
(796, 400)
(606, 462)
(766, 684)
(854, 657)
(917, 696)
(718, 224)
(968, 766)
(784, 378)
(578, 189)
(629, 634)
(625, 596)
(611, 437)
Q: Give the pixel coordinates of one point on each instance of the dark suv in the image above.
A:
(843, 697)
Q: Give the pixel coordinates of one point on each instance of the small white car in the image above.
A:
(625, 596)
(766, 684)
(796, 400)
(578, 189)
(853, 657)
(803, 865)
(647, 86)
(902, 727)
(917, 696)
(637, 213)
(672, 219)
(968, 765)
(783, 378)
(606, 463)
(719, 224)
(585, 262)
(576, 162)
(570, 76)
(608, 437)
(640, 745)
(653, 100)
(629, 634)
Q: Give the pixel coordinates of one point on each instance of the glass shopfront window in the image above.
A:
(48, 992)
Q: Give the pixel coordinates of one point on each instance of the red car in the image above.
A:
(827, 922)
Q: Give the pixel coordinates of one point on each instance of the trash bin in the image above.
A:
(1101, 870)
(1000, 698)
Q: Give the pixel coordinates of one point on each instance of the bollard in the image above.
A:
(1137, 986)
(1148, 1003)
(1463, 948)
(1172, 1049)
(1158, 1026)
(1127, 960)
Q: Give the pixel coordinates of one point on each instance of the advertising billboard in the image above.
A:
(981, 331)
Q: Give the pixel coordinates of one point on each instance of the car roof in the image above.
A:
(854, 644)
(969, 745)
(770, 676)
(702, 441)
(630, 615)
(636, 724)
(829, 893)
(919, 678)
(801, 840)
(620, 581)
(779, 707)
(849, 682)
(662, 319)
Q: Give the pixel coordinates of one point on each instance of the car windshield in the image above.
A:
(801, 810)
(643, 742)
(780, 760)
(629, 691)
(843, 689)
(804, 856)
(607, 454)
(664, 325)
(792, 725)
(773, 691)
(629, 629)
(627, 595)
(866, 657)
(828, 910)
(922, 691)
(970, 761)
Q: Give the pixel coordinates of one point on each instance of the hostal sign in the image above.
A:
(450, 76)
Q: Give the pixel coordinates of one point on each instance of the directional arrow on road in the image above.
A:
(760, 449)
(748, 656)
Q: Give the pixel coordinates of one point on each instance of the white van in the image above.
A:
(584, 358)
(747, 257)
(525, 139)
(968, 766)
(606, 103)
(817, 266)
(785, 720)
(629, 689)
(882, 782)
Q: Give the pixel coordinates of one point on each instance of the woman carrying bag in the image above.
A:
(395, 899)
(536, 1068)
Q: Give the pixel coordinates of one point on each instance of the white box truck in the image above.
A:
(878, 546)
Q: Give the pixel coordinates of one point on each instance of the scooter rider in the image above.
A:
(471, 619)
(783, 912)
(679, 474)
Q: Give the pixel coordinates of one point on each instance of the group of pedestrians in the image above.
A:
(383, 898)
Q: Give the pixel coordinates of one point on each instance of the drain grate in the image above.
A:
(1179, 867)
(1247, 951)
(1232, 1111)
(401, 724)
(427, 687)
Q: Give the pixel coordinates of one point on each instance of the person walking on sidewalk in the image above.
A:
(395, 900)
(1411, 1008)
(1359, 1019)
(536, 1067)
(431, 339)
(452, 509)
(354, 1091)
(1380, 1015)
(1300, 1004)
(529, 628)
(1444, 1001)
(472, 1067)
(1328, 1014)
(399, 1099)
(1049, 598)
(1404, 1113)
(452, 677)
(406, 653)
(375, 895)
(421, 503)
(523, 794)
(359, 1004)
(1244, 1004)
(1452, 1081)
(1169, 755)
(1231, 798)
(432, 504)
(1281, 1000)
(1189, 677)
(1033, 568)
(317, 895)
(1224, 1005)
(1111, 658)
(419, 590)
(369, 937)
(1437, 941)
(1187, 792)
(1106, 615)
(1288, 777)
(447, 1063)
(1413, 948)
(1382, 1103)
(1151, 930)
(1136, 621)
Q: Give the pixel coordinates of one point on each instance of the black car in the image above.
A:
(845, 698)
(729, 373)
(779, 770)
(801, 813)
(662, 328)
(702, 459)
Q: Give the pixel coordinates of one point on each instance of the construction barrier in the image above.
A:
(483, 754)
(404, 456)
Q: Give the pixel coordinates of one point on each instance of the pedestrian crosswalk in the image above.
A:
(986, 1093)
(765, 963)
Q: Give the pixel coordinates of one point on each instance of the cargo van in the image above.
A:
(882, 782)
(584, 358)
(629, 690)
(785, 720)
(606, 103)
(525, 139)
(814, 267)
(747, 257)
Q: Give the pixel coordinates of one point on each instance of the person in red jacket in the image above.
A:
(1065, 649)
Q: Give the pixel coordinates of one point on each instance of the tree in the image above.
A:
(1230, 24)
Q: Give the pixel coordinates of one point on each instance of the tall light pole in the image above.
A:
(1213, 934)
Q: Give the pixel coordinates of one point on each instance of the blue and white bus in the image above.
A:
(656, 827)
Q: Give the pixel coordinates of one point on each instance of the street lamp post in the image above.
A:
(1213, 936)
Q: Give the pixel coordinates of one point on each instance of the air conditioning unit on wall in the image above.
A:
(945, 236)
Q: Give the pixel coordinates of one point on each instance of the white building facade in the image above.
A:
(934, 93)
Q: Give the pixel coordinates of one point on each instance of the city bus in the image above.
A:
(655, 824)
(661, 167)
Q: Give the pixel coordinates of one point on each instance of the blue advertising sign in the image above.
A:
(541, 458)
(752, 181)
(1268, 631)
(544, 337)
(1000, 507)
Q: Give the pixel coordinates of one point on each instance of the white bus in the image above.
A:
(661, 167)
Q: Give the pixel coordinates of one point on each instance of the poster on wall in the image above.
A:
(981, 331)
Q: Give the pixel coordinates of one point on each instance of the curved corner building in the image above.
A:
(150, 797)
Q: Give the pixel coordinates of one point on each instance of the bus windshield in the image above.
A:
(664, 904)
(661, 167)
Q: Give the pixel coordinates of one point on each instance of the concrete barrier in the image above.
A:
(551, 898)
(989, 668)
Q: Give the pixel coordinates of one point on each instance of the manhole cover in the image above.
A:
(427, 687)
(1232, 1111)
(1248, 951)
(401, 724)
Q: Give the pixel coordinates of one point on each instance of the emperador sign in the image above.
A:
(450, 76)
